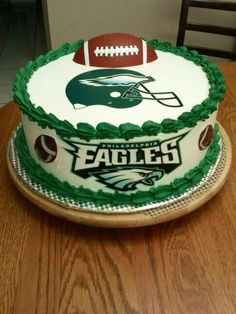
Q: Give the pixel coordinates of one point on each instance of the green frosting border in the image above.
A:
(127, 131)
(155, 194)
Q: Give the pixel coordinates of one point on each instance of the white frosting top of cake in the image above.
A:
(184, 83)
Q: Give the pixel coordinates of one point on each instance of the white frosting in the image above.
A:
(172, 73)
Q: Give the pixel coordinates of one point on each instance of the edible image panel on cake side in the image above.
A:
(124, 166)
(119, 165)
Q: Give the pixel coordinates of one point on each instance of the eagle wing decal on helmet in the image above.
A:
(114, 80)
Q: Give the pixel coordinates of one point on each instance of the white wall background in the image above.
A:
(75, 19)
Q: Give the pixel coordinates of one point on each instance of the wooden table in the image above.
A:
(53, 266)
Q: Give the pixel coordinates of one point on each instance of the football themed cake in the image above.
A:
(119, 120)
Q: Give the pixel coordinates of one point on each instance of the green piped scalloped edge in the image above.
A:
(64, 189)
(127, 131)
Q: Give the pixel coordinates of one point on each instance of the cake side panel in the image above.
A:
(118, 165)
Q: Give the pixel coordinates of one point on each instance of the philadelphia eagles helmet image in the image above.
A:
(116, 88)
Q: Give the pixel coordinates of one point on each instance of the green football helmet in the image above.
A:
(116, 88)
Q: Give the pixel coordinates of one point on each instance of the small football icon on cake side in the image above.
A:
(206, 137)
(115, 50)
(46, 148)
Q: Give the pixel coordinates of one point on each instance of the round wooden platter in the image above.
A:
(154, 215)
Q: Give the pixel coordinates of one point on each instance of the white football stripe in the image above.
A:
(144, 51)
(47, 149)
(111, 51)
(86, 54)
(203, 138)
(48, 159)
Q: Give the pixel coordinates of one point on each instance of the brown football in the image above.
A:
(115, 50)
(205, 137)
(46, 148)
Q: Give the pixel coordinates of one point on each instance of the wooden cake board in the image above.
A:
(113, 219)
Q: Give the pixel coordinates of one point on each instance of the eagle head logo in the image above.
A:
(128, 179)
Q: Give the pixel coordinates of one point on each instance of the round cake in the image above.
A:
(119, 120)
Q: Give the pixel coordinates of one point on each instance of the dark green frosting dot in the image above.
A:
(151, 128)
(86, 131)
(171, 125)
(129, 130)
(107, 130)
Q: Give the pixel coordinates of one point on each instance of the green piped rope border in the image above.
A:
(64, 189)
(85, 131)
